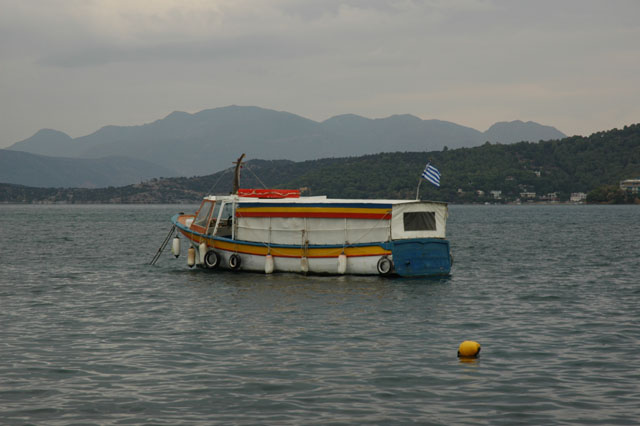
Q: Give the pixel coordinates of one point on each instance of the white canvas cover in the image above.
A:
(277, 230)
(398, 220)
(331, 231)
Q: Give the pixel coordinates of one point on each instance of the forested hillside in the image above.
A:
(559, 168)
(575, 164)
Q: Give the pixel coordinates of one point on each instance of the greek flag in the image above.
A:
(432, 175)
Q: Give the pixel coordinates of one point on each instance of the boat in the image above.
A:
(279, 230)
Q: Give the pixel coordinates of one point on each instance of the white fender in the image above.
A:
(268, 264)
(342, 263)
(202, 251)
(191, 257)
(304, 265)
(175, 246)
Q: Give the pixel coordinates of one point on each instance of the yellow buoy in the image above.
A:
(469, 349)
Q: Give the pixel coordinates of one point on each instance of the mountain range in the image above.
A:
(184, 144)
(552, 170)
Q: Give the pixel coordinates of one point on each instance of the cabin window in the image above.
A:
(216, 211)
(225, 214)
(203, 214)
(419, 221)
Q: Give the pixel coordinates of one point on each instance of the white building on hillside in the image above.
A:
(527, 195)
(630, 185)
(578, 197)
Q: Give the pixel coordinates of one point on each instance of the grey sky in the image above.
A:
(77, 65)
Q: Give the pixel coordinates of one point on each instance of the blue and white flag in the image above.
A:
(432, 175)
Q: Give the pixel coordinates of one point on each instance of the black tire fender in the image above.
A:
(385, 266)
(211, 259)
(235, 261)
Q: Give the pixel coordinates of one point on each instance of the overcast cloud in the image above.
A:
(77, 65)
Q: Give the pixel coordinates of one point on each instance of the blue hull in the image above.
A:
(421, 257)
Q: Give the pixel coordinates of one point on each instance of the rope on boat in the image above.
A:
(216, 182)
(164, 244)
(256, 176)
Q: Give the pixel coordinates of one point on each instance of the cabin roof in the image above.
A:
(322, 199)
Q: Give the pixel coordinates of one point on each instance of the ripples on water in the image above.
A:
(91, 334)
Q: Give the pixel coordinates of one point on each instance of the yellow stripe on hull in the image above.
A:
(311, 252)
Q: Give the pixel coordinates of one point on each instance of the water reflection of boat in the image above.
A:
(276, 230)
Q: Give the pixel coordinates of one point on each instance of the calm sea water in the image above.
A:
(91, 334)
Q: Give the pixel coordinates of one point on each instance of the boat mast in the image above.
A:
(236, 177)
